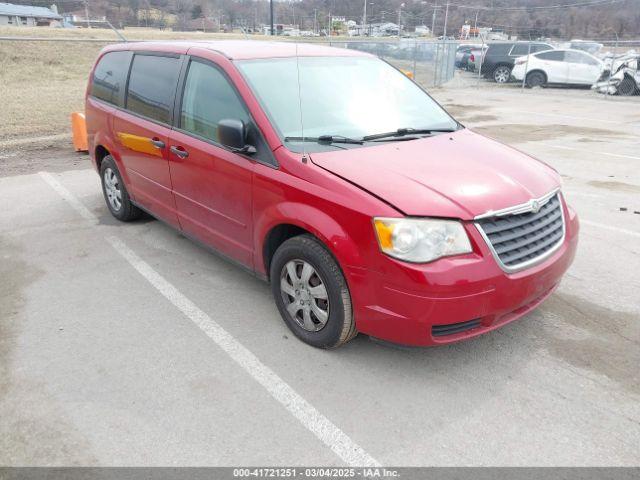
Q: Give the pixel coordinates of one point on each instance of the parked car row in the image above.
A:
(499, 59)
(539, 64)
(557, 67)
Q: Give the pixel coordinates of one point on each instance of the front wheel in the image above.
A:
(311, 293)
(502, 74)
(536, 79)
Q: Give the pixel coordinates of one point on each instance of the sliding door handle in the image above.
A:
(156, 142)
(179, 151)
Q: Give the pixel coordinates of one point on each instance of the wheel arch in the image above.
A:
(100, 152)
(539, 70)
(288, 220)
(502, 64)
(103, 146)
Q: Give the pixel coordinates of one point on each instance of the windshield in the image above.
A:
(340, 96)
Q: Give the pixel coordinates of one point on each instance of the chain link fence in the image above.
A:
(609, 65)
(430, 63)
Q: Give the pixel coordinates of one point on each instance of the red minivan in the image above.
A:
(335, 177)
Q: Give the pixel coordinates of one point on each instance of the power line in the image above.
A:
(590, 3)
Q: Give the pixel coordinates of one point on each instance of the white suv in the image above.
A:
(564, 66)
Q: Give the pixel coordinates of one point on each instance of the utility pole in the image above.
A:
(475, 25)
(315, 20)
(433, 20)
(271, 16)
(446, 14)
(364, 17)
(86, 12)
(293, 11)
(400, 19)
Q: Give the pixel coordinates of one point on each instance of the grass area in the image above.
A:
(130, 33)
(42, 83)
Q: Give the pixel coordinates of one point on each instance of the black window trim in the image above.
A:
(177, 108)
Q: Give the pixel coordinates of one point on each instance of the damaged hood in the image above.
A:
(458, 175)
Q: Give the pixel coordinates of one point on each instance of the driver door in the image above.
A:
(211, 184)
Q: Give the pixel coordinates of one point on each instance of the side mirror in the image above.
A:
(232, 133)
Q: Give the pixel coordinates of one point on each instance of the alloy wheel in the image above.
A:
(112, 189)
(305, 295)
(501, 75)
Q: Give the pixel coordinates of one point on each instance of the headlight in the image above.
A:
(421, 240)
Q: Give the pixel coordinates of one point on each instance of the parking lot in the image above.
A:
(127, 344)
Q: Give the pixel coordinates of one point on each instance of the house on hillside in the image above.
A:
(27, 16)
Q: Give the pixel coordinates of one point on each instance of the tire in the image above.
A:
(536, 79)
(339, 326)
(113, 186)
(501, 74)
(627, 87)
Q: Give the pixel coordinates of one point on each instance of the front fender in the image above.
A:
(309, 218)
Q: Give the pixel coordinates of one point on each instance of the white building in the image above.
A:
(27, 16)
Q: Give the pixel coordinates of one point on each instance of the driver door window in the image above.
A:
(207, 99)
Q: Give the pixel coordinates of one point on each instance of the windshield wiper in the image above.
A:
(401, 132)
(328, 139)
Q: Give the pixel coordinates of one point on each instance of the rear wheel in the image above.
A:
(536, 79)
(311, 293)
(115, 193)
(502, 74)
(627, 86)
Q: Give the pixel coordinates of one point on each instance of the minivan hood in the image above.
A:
(458, 175)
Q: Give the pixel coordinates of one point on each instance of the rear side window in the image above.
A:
(553, 55)
(521, 49)
(208, 98)
(499, 49)
(152, 86)
(579, 57)
(540, 47)
(110, 77)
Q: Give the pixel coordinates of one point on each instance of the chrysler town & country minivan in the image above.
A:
(336, 178)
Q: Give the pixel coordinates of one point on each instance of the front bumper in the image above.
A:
(405, 302)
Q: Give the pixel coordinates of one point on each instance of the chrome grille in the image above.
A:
(520, 239)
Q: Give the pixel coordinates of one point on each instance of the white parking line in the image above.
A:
(349, 451)
(590, 120)
(610, 227)
(618, 155)
(69, 197)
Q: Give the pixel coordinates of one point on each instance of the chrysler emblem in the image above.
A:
(535, 206)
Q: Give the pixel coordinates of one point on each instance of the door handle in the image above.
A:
(156, 142)
(179, 151)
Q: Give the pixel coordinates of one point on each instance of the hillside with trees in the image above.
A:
(597, 19)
